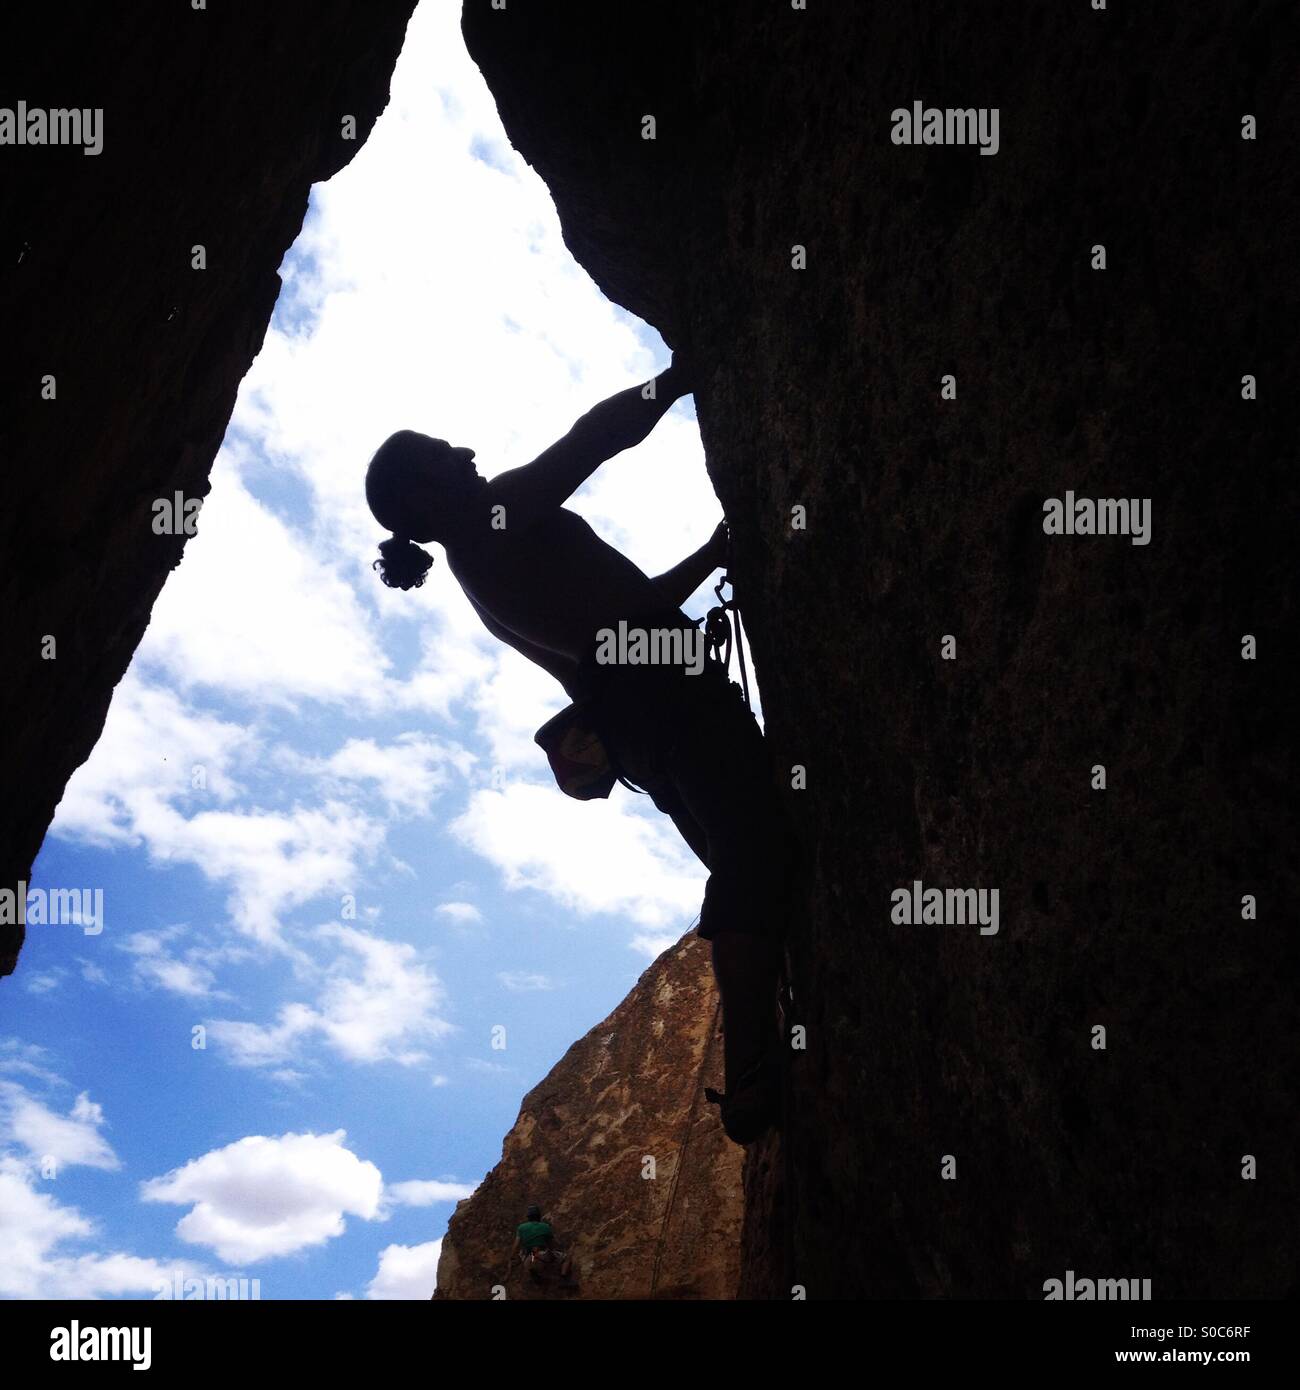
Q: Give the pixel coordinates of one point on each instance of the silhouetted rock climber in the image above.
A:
(544, 583)
(536, 1249)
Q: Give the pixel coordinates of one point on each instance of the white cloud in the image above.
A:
(480, 1064)
(653, 945)
(459, 912)
(510, 707)
(425, 1193)
(27, 1059)
(521, 981)
(377, 1003)
(590, 857)
(69, 1140)
(39, 1235)
(154, 965)
(388, 1007)
(272, 860)
(454, 657)
(139, 781)
(406, 1272)
(177, 976)
(255, 611)
(657, 504)
(262, 1196)
(35, 1232)
(409, 773)
(146, 759)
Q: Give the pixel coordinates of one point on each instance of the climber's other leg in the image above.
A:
(746, 969)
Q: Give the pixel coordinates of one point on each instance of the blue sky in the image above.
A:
(322, 831)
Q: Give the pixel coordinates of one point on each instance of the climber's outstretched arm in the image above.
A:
(680, 582)
(605, 430)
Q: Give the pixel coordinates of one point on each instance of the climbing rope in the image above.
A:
(681, 1152)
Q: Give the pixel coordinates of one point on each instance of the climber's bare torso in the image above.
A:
(551, 586)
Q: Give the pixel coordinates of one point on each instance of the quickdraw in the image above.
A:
(721, 638)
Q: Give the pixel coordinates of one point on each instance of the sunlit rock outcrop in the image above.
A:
(624, 1155)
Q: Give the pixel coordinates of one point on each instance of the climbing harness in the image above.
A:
(573, 741)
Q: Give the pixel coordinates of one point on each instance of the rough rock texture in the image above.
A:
(820, 387)
(631, 1089)
(216, 123)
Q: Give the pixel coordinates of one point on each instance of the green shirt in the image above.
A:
(534, 1234)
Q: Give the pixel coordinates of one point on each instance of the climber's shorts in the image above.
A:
(689, 741)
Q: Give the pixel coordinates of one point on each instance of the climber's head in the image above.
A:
(420, 489)
(534, 1213)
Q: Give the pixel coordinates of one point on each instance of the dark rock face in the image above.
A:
(215, 125)
(628, 1092)
(1119, 908)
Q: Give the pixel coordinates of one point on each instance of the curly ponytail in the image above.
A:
(402, 564)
